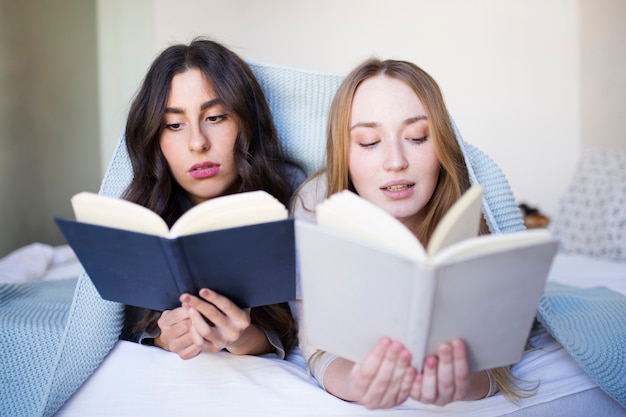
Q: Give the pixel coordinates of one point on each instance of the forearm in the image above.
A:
(252, 341)
(337, 378)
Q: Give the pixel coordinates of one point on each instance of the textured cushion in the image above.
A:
(590, 323)
(299, 101)
(591, 216)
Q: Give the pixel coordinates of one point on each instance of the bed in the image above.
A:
(61, 355)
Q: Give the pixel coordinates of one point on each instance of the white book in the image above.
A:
(364, 275)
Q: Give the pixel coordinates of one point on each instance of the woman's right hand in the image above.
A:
(383, 380)
(176, 334)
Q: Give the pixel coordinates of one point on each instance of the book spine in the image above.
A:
(420, 319)
(175, 256)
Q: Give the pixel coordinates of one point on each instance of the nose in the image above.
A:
(395, 159)
(198, 140)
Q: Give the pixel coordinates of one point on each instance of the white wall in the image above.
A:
(603, 65)
(510, 71)
(125, 50)
(48, 115)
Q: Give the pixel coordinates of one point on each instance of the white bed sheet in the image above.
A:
(137, 380)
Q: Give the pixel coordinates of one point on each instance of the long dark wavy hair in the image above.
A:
(258, 155)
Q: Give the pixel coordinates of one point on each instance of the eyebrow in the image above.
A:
(407, 122)
(204, 106)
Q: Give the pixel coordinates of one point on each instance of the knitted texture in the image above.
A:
(591, 215)
(590, 323)
(55, 362)
(499, 206)
(94, 324)
(32, 317)
(299, 101)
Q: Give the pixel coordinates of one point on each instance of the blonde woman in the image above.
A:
(390, 140)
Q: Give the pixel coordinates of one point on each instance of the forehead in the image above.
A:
(382, 96)
(190, 85)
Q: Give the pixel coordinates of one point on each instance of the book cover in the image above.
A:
(484, 290)
(252, 264)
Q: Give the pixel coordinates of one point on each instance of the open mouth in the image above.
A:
(397, 187)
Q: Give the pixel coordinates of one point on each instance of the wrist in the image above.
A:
(482, 385)
(252, 341)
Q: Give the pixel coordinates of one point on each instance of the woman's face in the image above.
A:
(391, 158)
(198, 139)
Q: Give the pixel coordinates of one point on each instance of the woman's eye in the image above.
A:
(419, 140)
(173, 126)
(217, 118)
(368, 144)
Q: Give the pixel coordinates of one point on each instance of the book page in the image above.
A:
(228, 211)
(461, 222)
(491, 243)
(114, 212)
(348, 213)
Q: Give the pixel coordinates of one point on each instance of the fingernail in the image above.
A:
(444, 350)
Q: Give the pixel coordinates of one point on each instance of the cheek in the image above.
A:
(427, 161)
(169, 151)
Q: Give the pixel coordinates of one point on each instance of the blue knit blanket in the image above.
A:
(32, 319)
(590, 323)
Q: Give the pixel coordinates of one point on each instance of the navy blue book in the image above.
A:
(241, 246)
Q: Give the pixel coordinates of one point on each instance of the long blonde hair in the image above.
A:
(453, 178)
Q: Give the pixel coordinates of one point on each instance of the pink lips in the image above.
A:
(203, 170)
(397, 190)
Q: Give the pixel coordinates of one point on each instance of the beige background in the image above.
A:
(531, 82)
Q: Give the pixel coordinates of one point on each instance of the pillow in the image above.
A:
(591, 215)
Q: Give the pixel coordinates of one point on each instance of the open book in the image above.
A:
(239, 245)
(364, 275)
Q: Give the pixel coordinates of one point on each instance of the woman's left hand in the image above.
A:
(217, 323)
(445, 377)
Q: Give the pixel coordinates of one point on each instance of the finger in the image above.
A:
(365, 372)
(428, 394)
(171, 317)
(408, 382)
(461, 370)
(189, 352)
(225, 306)
(204, 335)
(445, 374)
(416, 388)
(219, 310)
(174, 322)
(383, 389)
(401, 381)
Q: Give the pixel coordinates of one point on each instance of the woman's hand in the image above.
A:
(445, 377)
(175, 334)
(383, 380)
(217, 323)
(386, 378)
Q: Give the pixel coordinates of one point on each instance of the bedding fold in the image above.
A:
(590, 323)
